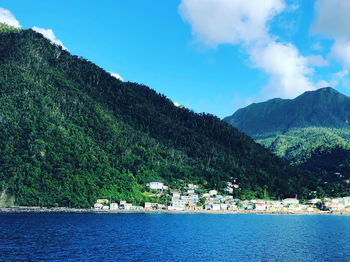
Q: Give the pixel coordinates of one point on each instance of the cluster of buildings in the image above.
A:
(189, 199)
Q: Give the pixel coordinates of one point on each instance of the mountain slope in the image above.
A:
(324, 107)
(71, 133)
(298, 129)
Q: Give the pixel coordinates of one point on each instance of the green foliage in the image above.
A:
(5, 28)
(311, 131)
(72, 133)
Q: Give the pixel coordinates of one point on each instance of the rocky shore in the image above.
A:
(78, 210)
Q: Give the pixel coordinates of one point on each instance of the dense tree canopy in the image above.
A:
(72, 133)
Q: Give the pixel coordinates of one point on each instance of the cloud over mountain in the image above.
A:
(246, 23)
(8, 18)
(49, 34)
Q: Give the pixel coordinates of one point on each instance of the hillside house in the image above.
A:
(290, 201)
(102, 201)
(213, 192)
(157, 186)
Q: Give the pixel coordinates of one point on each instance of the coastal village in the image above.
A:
(190, 200)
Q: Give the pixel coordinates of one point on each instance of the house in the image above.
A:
(102, 201)
(232, 207)
(122, 203)
(223, 206)
(156, 185)
(216, 207)
(161, 206)
(206, 195)
(148, 206)
(229, 190)
(260, 206)
(198, 208)
(207, 207)
(290, 201)
(98, 206)
(314, 201)
(114, 206)
(176, 194)
(105, 208)
(190, 191)
(195, 198)
(187, 199)
(346, 201)
(209, 201)
(178, 204)
(127, 206)
(213, 192)
(274, 206)
(136, 208)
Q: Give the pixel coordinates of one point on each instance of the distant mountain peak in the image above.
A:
(325, 107)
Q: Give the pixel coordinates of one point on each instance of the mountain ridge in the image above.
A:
(72, 133)
(309, 109)
(298, 129)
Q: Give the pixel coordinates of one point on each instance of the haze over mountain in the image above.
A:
(72, 133)
(313, 124)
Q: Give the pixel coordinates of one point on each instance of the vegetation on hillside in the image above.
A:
(72, 133)
(311, 131)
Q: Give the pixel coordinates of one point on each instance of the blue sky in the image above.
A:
(212, 56)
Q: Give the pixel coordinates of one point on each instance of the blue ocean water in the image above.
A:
(173, 237)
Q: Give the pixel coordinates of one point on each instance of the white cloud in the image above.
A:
(332, 20)
(341, 51)
(177, 104)
(288, 70)
(338, 78)
(8, 18)
(226, 21)
(48, 33)
(116, 76)
(247, 23)
(317, 60)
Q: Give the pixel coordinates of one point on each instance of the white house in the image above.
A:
(206, 195)
(260, 206)
(216, 207)
(156, 185)
(213, 192)
(102, 201)
(105, 208)
(114, 206)
(178, 204)
(223, 206)
(98, 206)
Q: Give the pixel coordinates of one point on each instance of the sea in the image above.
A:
(173, 237)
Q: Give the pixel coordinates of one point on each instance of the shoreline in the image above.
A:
(7, 210)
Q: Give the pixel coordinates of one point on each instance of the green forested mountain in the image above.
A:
(311, 127)
(72, 133)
